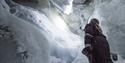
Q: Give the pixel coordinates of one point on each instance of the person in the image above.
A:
(96, 45)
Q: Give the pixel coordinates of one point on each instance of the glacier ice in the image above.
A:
(27, 36)
(49, 36)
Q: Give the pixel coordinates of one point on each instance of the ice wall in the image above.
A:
(37, 29)
(112, 17)
(27, 37)
(37, 46)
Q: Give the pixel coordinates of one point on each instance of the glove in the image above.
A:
(87, 51)
(114, 57)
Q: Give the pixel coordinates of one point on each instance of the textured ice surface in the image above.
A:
(49, 35)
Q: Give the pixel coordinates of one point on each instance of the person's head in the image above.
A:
(94, 21)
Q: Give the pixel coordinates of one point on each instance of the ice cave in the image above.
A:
(51, 31)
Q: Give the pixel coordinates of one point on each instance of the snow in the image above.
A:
(34, 31)
(27, 36)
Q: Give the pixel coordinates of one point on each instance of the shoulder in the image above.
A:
(88, 27)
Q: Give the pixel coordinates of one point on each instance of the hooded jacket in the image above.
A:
(96, 44)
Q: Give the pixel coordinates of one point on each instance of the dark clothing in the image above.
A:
(101, 51)
(97, 41)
